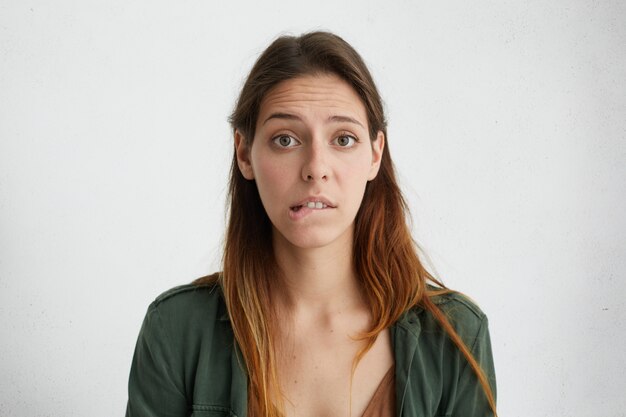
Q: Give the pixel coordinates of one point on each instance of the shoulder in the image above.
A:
(443, 374)
(187, 318)
(463, 314)
(183, 295)
(185, 333)
(456, 300)
(199, 292)
(189, 307)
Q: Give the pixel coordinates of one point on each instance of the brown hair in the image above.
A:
(386, 260)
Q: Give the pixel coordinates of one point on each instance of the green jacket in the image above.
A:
(186, 361)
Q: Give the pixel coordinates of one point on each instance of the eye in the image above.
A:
(285, 141)
(345, 141)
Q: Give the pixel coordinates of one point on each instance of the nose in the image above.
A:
(315, 167)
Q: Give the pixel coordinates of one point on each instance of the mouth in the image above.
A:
(314, 204)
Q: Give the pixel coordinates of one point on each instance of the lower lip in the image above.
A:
(303, 212)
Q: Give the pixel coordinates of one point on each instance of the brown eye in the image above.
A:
(285, 141)
(345, 141)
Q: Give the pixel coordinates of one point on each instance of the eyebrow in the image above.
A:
(336, 118)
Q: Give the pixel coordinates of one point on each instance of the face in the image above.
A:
(311, 158)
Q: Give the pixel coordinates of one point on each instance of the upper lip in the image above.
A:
(314, 199)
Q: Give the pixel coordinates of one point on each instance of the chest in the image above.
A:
(316, 374)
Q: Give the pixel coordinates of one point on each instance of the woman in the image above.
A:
(323, 307)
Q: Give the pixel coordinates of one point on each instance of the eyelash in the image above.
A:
(347, 135)
(276, 139)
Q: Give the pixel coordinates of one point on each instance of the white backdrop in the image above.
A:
(507, 122)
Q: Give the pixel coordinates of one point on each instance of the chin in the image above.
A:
(314, 239)
(309, 242)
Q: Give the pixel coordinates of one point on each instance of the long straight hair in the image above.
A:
(386, 260)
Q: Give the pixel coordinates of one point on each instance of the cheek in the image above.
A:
(356, 175)
(272, 177)
(356, 170)
(266, 171)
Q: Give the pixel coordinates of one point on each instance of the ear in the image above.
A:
(378, 146)
(243, 156)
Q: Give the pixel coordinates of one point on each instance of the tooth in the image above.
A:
(319, 204)
(310, 204)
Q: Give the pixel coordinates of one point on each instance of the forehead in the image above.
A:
(323, 94)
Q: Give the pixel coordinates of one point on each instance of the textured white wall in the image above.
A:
(508, 127)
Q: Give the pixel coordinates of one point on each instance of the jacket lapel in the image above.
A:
(404, 336)
(239, 384)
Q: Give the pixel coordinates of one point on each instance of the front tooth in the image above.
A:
(319, 205)
(310, 204)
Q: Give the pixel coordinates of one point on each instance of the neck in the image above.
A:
(317, 280)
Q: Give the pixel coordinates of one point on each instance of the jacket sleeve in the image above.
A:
(155, 386)
(471, 400)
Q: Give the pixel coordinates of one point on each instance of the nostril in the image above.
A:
(311, 177)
